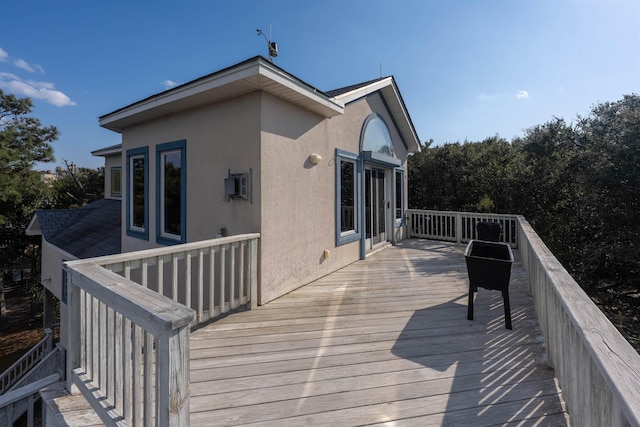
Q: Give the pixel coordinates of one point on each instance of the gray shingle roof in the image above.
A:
(90, 231)
(340, 91)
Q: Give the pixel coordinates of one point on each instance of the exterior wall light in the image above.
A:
(315, 158)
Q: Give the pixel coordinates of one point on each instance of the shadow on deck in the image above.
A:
(383, 341)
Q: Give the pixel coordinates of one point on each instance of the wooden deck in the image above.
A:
(384, 341)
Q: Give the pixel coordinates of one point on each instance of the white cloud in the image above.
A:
(38, 90)
(522, 94)
(21, 63)
(3, 55)
(169, 84)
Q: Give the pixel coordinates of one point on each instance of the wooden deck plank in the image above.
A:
(384, 340)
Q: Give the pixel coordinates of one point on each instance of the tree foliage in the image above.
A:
(577, 184)
(76, 186)
(23, 142)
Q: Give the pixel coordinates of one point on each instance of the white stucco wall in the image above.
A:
(219, 138)
(298, 199)
(292, 201)
(51, 279)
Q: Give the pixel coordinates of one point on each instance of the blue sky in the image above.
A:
(466, 69)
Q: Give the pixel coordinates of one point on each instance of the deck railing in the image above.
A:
(129, 321)
(23, 365)
(210, 276)
(598, 370)
(457, 227)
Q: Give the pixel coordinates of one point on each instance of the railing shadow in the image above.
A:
(488, 375)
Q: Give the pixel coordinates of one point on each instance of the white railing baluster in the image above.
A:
(137, 401)
(200, 298)
(144, 279)
(212, 282)
(117, 360)
(221, 290)
(148, 383)
(174, 277)
(127, 371)
(110, 339)
(160, 273)
(232, 276)
(187, 279)
(242, 290)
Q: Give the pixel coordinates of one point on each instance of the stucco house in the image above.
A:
(250, 148)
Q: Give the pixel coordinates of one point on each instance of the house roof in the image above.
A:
(108, 151)
(260, 74)
(90, 231)
(251, 75)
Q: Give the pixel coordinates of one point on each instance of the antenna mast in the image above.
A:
(272, 47)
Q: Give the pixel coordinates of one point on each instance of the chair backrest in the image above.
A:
(489, 231)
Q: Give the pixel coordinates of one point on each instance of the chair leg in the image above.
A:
(507, 309)
(472, 290)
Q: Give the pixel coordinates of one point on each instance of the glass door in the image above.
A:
(375, 209)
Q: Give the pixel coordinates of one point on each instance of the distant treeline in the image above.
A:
(578, 184)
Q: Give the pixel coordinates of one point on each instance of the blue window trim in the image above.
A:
(160, 148)
(352, 235)
(135, 152)
(399, 221)
(115, 168)
(63, 288)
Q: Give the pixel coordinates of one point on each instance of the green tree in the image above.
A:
(23, 142)
(76, 186)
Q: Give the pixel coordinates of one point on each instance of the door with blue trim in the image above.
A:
(375, 207)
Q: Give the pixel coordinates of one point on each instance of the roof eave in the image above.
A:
(389, 90)
(108, 151)
(249, 76)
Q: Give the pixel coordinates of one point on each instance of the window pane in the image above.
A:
(347, 196)
(115, 181)
(137, 192)
(377, 137)
(399, 187)
(172, 192)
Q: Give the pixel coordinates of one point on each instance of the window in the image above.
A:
(347, 197)
(171, 201)
(137, 189)
(376, 137)
(399, 178)
(116, 175)
(63, 290)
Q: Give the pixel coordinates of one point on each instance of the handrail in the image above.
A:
(28, 360)
(128, 348)
(16, 402)
(459, 227)
(598, 370)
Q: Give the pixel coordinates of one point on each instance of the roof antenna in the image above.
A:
(271, 46)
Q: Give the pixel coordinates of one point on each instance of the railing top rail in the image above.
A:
(28, 390)
(168, 250)
(148, 309)
(482, 214)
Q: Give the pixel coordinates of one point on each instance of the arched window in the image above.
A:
(376, 137)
